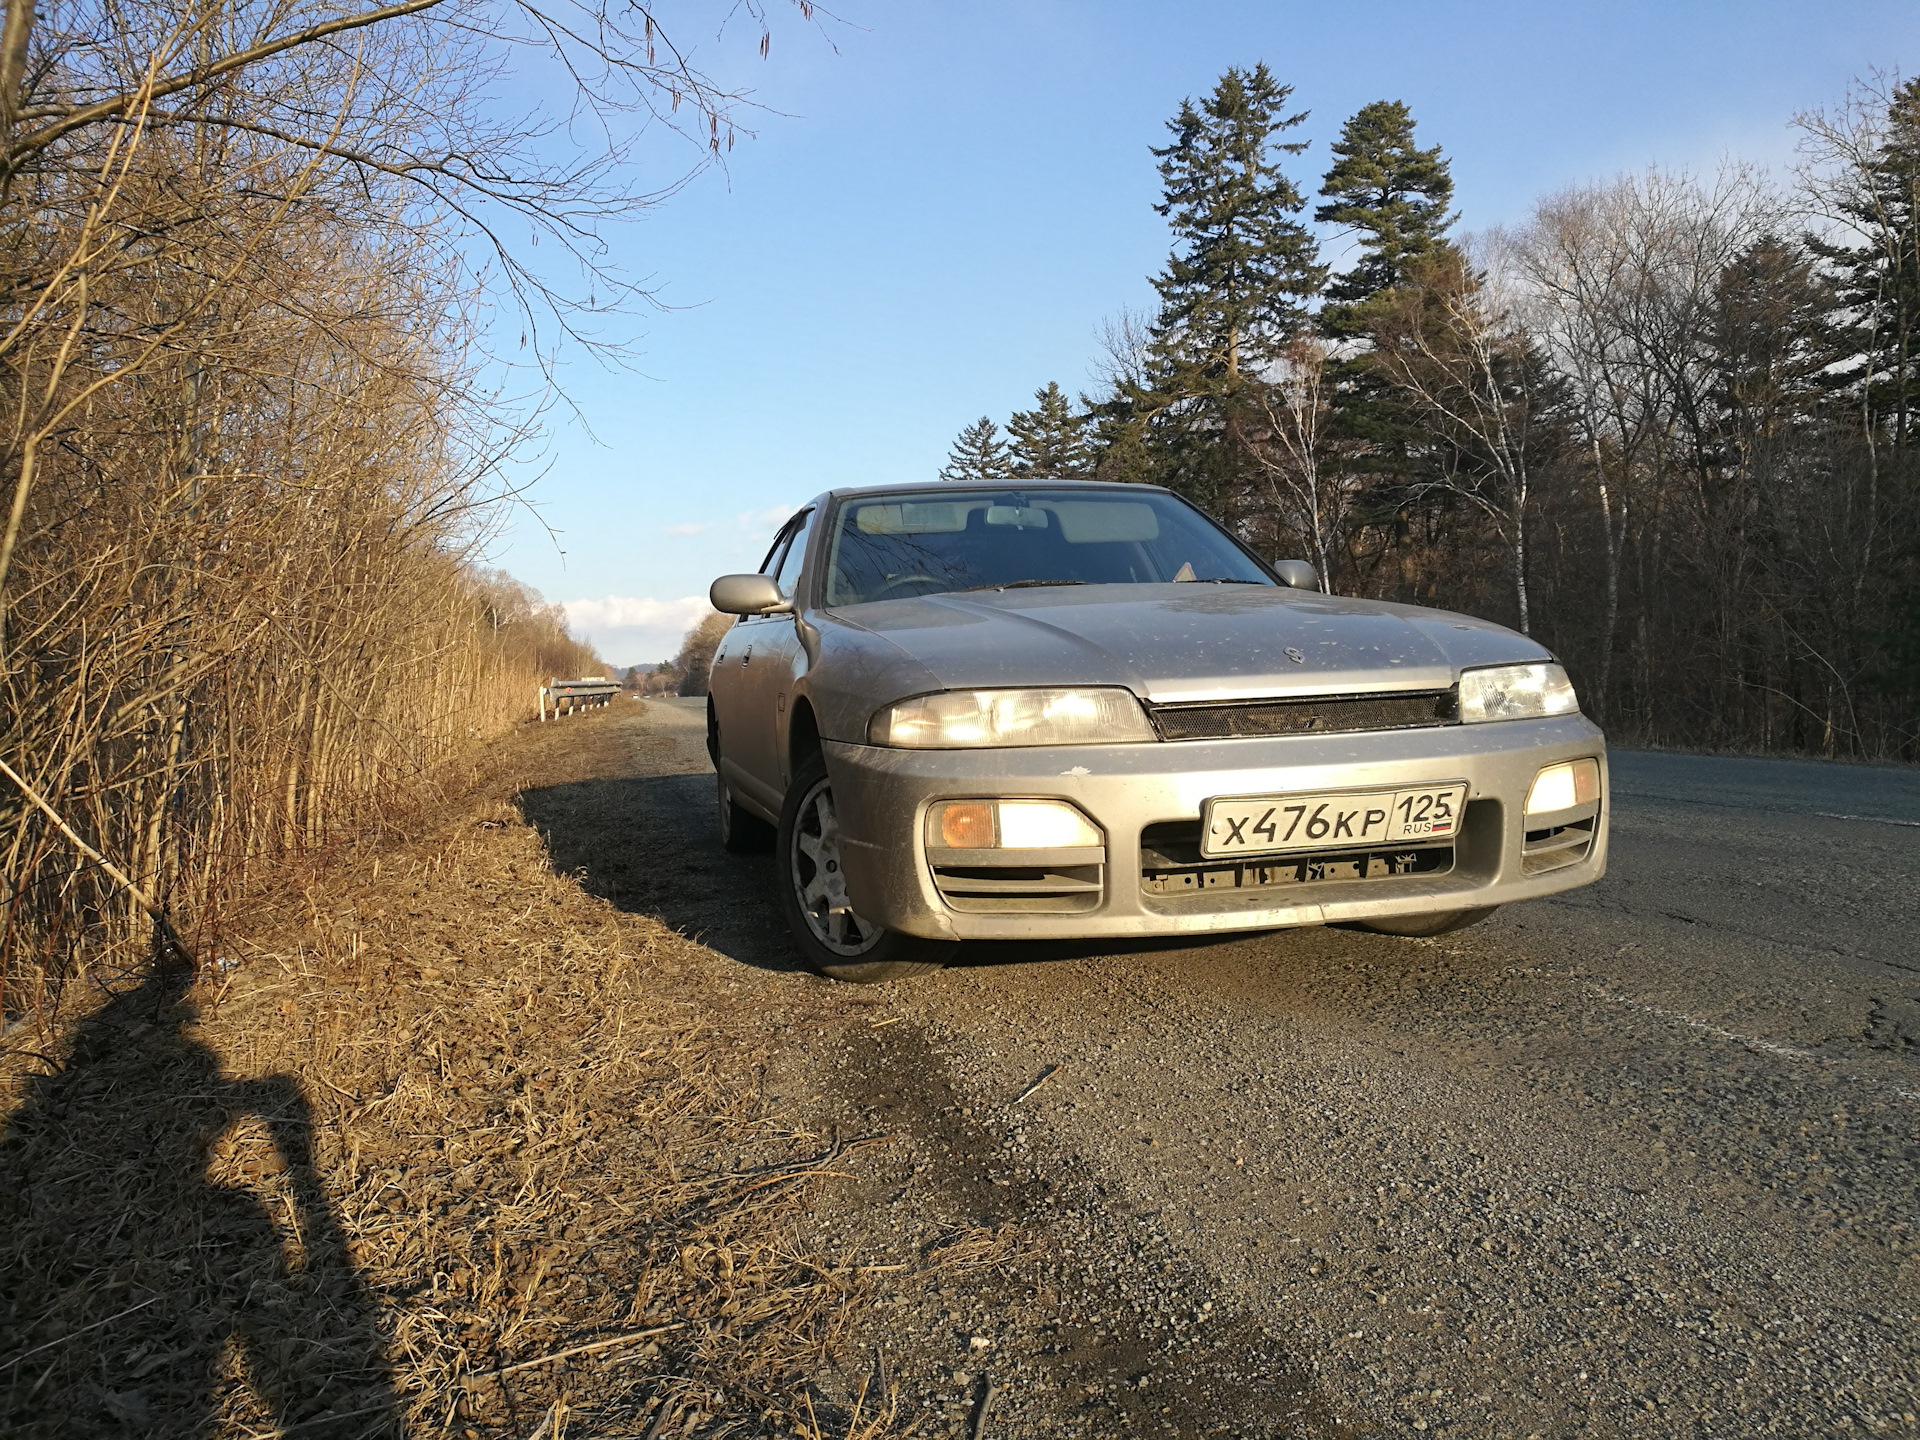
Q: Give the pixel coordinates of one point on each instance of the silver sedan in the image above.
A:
(1061, 710)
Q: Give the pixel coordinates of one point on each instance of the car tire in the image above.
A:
(741, 831)
(1419, 927)
(835, 941)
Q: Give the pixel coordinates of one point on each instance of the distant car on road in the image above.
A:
(1073, 710)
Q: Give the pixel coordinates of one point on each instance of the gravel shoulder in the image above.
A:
(1635, 1161)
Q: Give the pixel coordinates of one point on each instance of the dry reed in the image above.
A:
(248, 467)
(255, 290)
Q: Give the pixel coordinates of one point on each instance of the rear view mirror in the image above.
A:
(748, 595)
(1296, 574)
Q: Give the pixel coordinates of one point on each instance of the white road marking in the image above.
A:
(1747, 1042)
(1870, 819)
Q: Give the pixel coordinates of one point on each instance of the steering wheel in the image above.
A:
(900, 580)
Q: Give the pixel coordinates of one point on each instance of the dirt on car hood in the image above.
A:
(1176, 642)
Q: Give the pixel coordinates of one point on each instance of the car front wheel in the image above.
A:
(813, 894)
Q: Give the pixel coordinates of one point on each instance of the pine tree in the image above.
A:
(1236, 288)
(1880, 278)
(979, 455)
(1393, 195)
(1121, 446)
(1233, 295)
(1049, 441)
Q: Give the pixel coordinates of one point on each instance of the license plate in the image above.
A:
(1275, 824)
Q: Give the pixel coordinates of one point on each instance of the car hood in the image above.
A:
(1186, 642)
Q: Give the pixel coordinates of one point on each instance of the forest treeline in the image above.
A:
(259, 282)
(1669, 426)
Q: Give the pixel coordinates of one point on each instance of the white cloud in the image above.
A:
(636, 629)
(757, 529)
(691, 529)
(767, 520)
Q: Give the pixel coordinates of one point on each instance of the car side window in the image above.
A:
(787, 575)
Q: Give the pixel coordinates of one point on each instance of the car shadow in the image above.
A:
(138, 1295)
(649, 846)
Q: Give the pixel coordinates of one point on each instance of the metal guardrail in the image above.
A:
(577, 695)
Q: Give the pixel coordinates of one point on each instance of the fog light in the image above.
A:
(1563, 786)
(1043, 824)
(1009, 825)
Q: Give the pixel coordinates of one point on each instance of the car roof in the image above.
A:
(935, 487)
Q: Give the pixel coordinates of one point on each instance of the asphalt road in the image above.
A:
(1636, 1160)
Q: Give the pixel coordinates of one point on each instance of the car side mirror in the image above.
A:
(1297, 574)
(748, 595)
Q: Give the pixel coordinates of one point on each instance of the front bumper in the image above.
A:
(882, 796)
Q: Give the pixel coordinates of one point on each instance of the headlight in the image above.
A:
(1516, 692)
(956, 719)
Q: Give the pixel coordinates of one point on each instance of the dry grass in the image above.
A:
(453, 1149)
(975, 1248)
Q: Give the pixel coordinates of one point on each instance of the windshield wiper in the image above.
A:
(1018, 585)
(1225, 581)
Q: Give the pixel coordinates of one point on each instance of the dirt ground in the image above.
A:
(436, 1143)
(1636, 1162)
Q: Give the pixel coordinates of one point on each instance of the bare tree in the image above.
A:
(694, 662)
(1457, 349)
(1619, 283)
(1310, 498)
(1125, 340)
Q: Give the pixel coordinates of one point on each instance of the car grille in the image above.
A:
(1170, 864)
(1309, 715)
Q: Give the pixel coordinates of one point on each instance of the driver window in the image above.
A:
(787, 574)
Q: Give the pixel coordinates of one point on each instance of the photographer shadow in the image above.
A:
(137, 1295)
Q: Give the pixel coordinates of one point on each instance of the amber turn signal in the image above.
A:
(967, 827)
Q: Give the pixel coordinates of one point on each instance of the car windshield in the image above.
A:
(891, 547)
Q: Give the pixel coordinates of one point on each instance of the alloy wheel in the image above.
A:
(819, 880)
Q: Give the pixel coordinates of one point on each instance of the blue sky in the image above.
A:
(950, 198)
